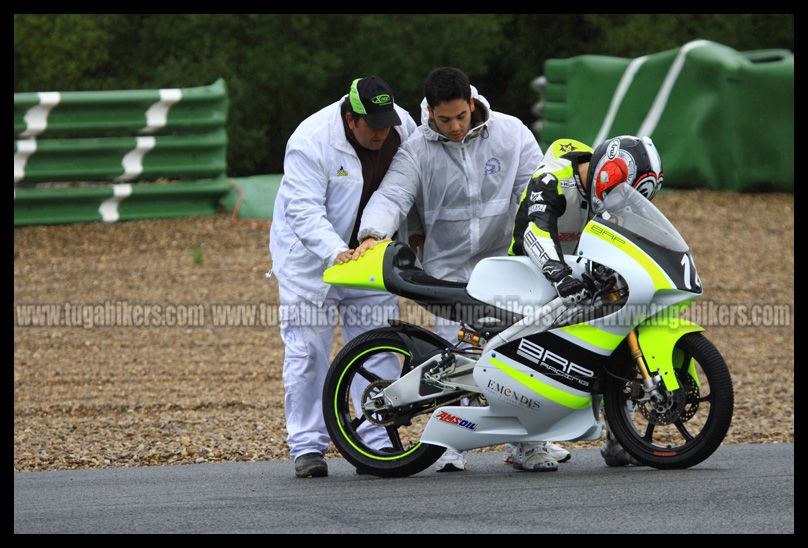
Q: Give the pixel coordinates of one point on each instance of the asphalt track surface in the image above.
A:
(740, 489)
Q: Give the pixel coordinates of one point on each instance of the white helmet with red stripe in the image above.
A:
(624, 159)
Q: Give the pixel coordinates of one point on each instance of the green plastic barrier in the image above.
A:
(127, 158)
(252, 197)
(119, 137)
(720, 118)
(119, 202)
(45, 114)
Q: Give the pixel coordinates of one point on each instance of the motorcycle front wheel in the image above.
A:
(692, 421)
(385, 443)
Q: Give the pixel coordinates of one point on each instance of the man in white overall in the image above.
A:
(334, 162)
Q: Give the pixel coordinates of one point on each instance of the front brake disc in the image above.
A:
(666, 412)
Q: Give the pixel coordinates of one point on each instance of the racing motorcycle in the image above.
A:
(529, 367)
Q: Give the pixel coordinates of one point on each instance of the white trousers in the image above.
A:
(307, 332)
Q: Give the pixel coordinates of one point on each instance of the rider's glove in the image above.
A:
(569, 288)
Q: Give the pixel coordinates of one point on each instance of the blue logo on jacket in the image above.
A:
(493, 166)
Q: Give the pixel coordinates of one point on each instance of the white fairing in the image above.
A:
(514, 413)
(513, 283)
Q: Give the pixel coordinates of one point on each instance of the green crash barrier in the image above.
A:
(175, 136)
(127, 158)
(119, 202)
(720, 118)
(123, 112)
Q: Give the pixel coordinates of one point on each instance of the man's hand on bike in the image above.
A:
(343, 256)
(366, 244)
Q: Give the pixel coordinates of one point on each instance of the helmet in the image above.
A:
(629, 159)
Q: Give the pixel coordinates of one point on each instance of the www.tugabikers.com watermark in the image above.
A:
(110, 314)
(264, 314)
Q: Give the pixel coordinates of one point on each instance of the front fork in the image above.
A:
(649, 382)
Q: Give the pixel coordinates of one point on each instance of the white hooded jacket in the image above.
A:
(318, 199)
(465, 193)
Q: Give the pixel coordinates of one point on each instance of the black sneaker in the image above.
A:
(311, 465)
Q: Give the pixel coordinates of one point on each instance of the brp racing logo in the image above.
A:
(457, 421)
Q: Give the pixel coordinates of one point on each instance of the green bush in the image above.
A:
(281, 68)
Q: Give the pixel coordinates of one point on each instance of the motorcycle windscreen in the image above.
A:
(363, 273)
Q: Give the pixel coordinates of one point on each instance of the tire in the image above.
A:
(408, 455)
(668, 440)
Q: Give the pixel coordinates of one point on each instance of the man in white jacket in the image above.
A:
(334, 162)
(464, 170)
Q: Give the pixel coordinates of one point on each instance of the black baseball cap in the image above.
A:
(372, 98)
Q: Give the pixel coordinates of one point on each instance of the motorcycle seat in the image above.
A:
(443, 298)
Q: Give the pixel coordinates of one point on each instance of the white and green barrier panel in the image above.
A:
(124, 201)
(125, 112)
(720, 118)
(110, 145)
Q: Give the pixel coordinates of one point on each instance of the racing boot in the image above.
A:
(614, 454)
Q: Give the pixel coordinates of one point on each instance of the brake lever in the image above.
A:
(589, 283)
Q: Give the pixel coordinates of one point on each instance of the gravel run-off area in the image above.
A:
(90, 394)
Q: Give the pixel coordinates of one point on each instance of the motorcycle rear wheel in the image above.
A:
(698, 414)
(404, 455)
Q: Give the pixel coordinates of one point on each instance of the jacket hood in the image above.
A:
(431, 132)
